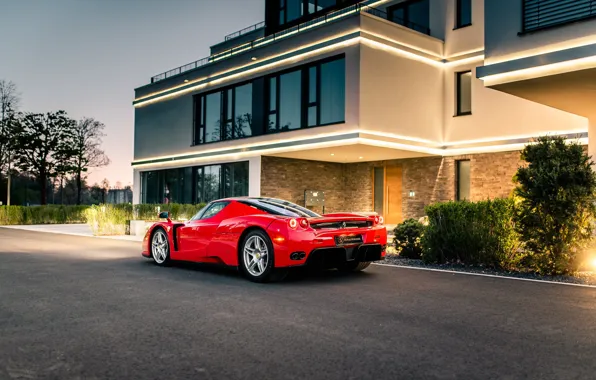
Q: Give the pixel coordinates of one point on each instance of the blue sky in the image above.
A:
(87, 56)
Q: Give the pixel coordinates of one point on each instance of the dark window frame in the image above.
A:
(458, 105)
(458, 14)
(306, 104)
(200, 129)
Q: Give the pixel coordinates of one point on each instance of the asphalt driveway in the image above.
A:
(85, 308)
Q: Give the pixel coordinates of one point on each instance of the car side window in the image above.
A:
(214, 209)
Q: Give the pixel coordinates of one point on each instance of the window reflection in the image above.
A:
(333, 92)
(243, 114)
(289, 101)
(213, 117)
(195, 184)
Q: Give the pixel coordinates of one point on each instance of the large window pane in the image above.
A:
(243, 117)
(240, 179)
(171, 186)
(150, 187)
(290, 100)
(200, 194)
(322, 4)
(418, 13)
(186, 196)
(333, 92)
(212, 182)
(213, 117)
(464, 13)
(379, 193)
(293, 10)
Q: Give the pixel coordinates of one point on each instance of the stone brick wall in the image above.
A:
(349, 187)
(287, 178)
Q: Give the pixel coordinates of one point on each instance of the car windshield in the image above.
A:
(280, 207)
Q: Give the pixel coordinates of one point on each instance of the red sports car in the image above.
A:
(263, 237)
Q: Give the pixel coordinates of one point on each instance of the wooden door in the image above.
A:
(393, 180)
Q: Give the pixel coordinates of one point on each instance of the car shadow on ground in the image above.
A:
(298, 275)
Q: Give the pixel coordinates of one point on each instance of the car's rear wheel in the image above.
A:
(160, 247)
(354, 266)
(257, 260)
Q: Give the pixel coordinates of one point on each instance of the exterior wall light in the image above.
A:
(412, 193)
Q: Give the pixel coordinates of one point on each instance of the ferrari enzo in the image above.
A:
(263, 237)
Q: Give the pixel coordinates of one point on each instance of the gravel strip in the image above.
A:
(583, 278)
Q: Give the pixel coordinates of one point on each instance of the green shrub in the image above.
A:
(555, 204)
(109, 219)
(49, 214)
(407, 239)
(471, 233)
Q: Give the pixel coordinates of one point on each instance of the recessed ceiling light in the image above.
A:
(254, 58)
(361, 158)
(333, 154)
(186, 80)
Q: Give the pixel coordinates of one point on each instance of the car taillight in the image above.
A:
(293, 223)
(303, 223)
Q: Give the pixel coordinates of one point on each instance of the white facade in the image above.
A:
(400, 93)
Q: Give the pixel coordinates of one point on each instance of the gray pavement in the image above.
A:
(74, 307)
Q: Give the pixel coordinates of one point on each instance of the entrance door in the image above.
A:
(387, 193)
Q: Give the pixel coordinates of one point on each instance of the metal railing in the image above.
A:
(249, 29)
(331, 16)
(540, 14)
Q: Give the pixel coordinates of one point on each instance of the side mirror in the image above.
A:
(164, 215)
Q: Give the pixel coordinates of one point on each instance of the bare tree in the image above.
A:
(81, 150)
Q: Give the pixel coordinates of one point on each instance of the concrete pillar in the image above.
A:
(254, 176)
(136, 187)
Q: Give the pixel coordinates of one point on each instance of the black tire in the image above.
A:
(354, 266)
(160, 247)
(269, 273)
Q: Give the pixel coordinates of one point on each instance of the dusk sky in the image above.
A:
(87, 56)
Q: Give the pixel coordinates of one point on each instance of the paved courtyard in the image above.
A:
(75, 307)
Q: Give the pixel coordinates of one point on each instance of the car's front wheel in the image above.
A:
(160, 247)
(257, 260)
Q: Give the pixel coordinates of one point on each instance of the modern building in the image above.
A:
(378, 106)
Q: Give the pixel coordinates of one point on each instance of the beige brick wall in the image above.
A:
(348, 187)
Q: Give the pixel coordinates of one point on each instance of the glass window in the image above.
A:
(186, 196)
(243, 112)
(293, 10)
(333, 92)
(322, 4)
(150, 187)
(311, 6)
(464, 13)
(240, 179)
(412, 14)
(211, 183)
(171, 186)
(290, 95)
(464, 93)
(463, 180)
(212, 117)
(212, 210)
(379, 192)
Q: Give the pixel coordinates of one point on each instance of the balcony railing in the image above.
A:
(331, 16)
(244, 31)
(540, 14)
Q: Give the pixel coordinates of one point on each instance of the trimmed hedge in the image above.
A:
(476, 233)
(50, 214)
